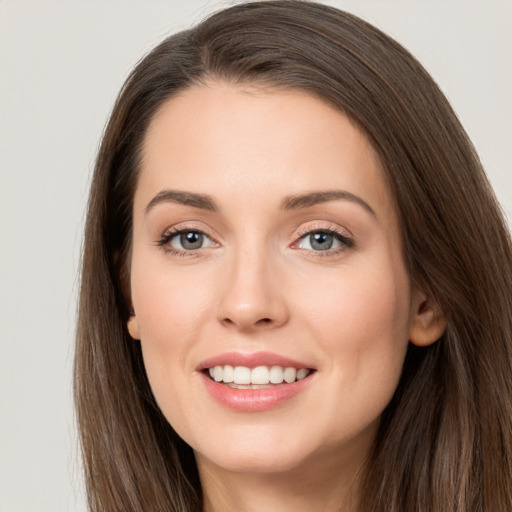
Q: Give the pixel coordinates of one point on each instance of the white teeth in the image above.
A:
(276, 375)
(248, 386)
(242, 375)
(302, 373)
(260, 375)
(217, 373)
(228, 373)
(290, 374)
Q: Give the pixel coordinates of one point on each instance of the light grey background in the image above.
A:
(61, 66)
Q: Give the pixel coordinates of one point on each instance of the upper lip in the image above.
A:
(251, 360)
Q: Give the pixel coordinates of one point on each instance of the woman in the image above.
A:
(296, 287)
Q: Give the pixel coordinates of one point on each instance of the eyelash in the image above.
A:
(174, 232)
(347, 242)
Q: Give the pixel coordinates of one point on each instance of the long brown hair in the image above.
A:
(445, 440)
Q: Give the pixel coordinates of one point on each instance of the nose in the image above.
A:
(253, 297)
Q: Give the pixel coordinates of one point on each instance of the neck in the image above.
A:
(333, 487)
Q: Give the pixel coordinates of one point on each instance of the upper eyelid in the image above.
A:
(325, 229)
(318, 226)
(181, 228)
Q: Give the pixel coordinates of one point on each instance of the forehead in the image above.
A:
(236, 141)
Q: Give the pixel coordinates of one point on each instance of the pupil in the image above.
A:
(321, 241)
(191, 240)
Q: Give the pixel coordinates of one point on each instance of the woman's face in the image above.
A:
(265, 236)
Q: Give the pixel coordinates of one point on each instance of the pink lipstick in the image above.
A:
(254, 382)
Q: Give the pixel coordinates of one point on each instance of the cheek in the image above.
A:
(169, 304)
(363, 324)
(360, 301)
(172, 309)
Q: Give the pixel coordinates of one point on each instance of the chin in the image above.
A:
(259, 455)
(256, 463)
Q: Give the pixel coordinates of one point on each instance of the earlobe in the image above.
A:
(428, 322)
(133, 327)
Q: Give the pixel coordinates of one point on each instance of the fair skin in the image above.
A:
(253, 270)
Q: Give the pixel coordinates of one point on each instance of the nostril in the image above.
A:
(262, 323)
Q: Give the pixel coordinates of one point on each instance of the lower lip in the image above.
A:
(254, 400)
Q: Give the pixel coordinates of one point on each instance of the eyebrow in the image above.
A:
(300, 201)
(193, 199)
(295, 202)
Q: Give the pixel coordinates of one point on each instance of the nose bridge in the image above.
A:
(252, 297)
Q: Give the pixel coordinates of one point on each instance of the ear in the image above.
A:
(133, 327)
(124, 282)
(427, 323)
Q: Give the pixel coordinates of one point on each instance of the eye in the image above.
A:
(186, 240)
(189, 240)
(324, 240)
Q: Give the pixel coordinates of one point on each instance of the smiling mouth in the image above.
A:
(259, 377)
